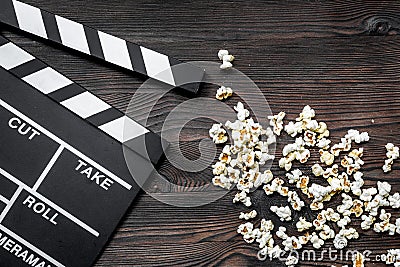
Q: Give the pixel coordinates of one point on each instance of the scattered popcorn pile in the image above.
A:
(241, 165)
(226, 58)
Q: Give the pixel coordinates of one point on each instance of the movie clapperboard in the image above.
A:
(64, 183)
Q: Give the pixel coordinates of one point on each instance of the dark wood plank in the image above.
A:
(341, 57)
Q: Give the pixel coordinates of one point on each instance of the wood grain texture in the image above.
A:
(340, 57)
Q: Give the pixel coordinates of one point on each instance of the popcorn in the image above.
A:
(304, 239)
(307, 114)
(222, 53)
(367, 221)
(342, 223)
(303, 225)
(384, 225)
(357, 209)
(291, 261)
(249, 215)
(294, 176)
(323, 143)
(350, 233)
(317, 170)
(316, 241)
(384, 188)
(217, 133)
(295, 201)
(266, 226)
(357, 137)
(242, 197)
(326, 157)
(281, 233)
(222, 181)
(319, 192)
(327, 233)
(309, 138)
(226, 59)
(284, 213)
(331, 215)
(294, 128)
(347, 203)
(242, 113)
(223, 93)
(367, 194)
(394, 201)
(291, 243)
(358, 260)
(225, 156)
(331, 172)
(393, 257)
(344, 145)
(357, 184)
(276, 121)
(246, 230)
(241, 164)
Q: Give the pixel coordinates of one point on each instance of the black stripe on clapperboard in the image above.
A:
(101, 45)
(80, 101)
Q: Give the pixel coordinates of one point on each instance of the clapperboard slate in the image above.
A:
(64, 183)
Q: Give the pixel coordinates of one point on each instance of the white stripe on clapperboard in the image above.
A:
(115, 49)
(84, 105)
(3, 199)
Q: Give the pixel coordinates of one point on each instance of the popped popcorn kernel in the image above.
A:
(223, 93)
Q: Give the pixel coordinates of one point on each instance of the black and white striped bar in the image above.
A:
(100, 45)
(80, 101)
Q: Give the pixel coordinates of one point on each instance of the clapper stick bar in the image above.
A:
(80, 101)
(100, 45)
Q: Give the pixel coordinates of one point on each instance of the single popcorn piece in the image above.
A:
(316, 242)
(226, 65)
(303, 224)
(242, 113)
(307, 114)
(281, 233)
(226, 59)
(326, 157)
(291, 243)
(323, 143)
(222, 53)
(394, 200)
(249, 215)
(294, 128)
(317, 170)
(217, 133)
(391, 154)
(223, 93)
(291, 261)
(276, 121)
(284, 213)
(358, 260)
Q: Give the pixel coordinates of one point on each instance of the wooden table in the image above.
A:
(340, 57)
